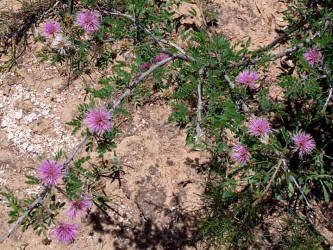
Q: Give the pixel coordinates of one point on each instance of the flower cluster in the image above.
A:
(50, 28)
(304, 143)
(64, 232)
(313, 57)
(159, 58)
(98, 121)
(79, 206)
(248, 78)
(60, 42)
(49, 172)
(241, 154)
(88, 20)
(259, 127)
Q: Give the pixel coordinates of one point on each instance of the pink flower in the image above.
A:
(240, 154)
(79, 206)
(89, 20)
(50, 28)
(248, 78)
(64, 232)
(304, 143)
(313, 57)
(160, 57)
(50, 172)
(259, 127)
(145, 66)
(98, 121)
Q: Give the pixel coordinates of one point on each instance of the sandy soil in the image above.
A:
(161, 190)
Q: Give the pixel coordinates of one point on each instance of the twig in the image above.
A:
(241, 101)
(139, 79)
(327, 100)
(177, 47)
(292, 178)
(324, 232)
(268, 185)
(199, 107)
(131, 18)
(157, 40)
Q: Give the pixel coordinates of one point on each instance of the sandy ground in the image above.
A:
(161, 190)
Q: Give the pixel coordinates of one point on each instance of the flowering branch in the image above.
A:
(43, 194)
(284, 161)
(46, 190)
(283, 53)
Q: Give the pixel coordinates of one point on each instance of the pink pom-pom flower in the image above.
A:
(98, 121)
(65, 232)
(50, 28)
(313, 57)
(50, 172)
(304, 143)
(248, 78)
(79, 206)
(160, 57)
(145, 66)
(88, 20)
(240, 153)
(259, 127)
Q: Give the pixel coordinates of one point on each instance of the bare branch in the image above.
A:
(268, 185)
(241, 101)
(327, 100)
(131, 18)
(199, 107)
(139, 79)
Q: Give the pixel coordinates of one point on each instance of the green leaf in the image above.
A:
(31, 179)
(290, 189)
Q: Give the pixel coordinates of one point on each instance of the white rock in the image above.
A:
(10, 136)
(4, 123)
(18, 114)
(30, 148)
